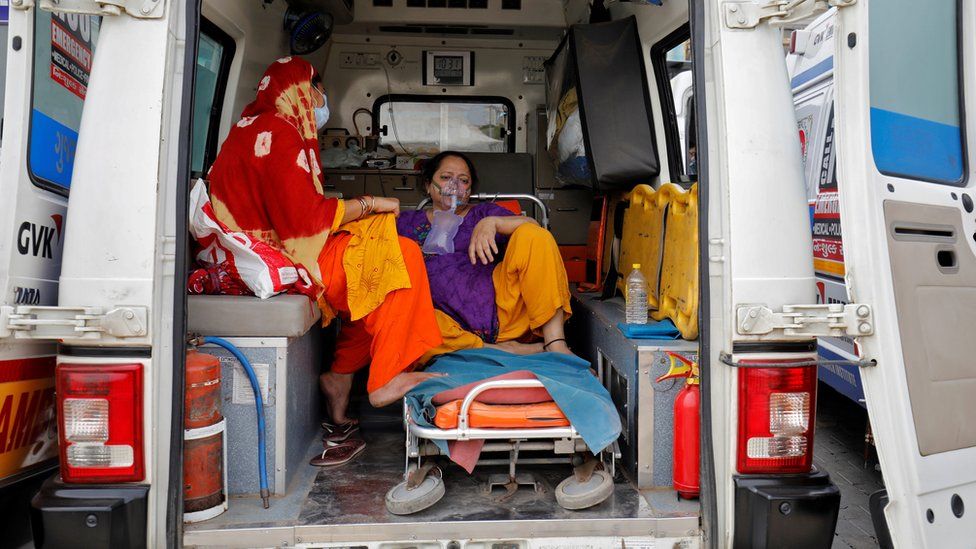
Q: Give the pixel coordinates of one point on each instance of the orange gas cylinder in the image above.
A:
(202, 401)
(203, 447)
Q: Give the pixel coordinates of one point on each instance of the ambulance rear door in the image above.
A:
(47, 59)
(904, 71)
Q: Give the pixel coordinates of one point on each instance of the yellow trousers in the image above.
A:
(530, 286)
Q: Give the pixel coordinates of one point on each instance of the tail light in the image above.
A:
(100, 422)
(777, 407)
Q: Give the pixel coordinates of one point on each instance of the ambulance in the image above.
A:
(114, 109)
(811, 68)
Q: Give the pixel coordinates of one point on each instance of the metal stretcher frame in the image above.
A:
(564, 440)
(465, 432)
(492, 197)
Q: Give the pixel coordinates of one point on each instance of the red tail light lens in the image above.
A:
(100, 422)
(777, 408)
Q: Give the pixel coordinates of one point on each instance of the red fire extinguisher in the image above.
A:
(686, 426)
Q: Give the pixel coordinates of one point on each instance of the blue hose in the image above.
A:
(259, 403)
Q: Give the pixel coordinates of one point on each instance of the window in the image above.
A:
(214, 55)
(916, 119)
(423, 124)
(673, 69)
(64, 46)
(3, 65)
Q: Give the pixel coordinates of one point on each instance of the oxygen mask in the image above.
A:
(453, 193)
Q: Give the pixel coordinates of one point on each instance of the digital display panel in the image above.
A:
(449, 68)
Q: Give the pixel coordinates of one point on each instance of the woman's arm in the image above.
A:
(483, 244)
(374, 205)
(506, 225)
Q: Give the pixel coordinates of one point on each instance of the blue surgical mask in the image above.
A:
(322, 113)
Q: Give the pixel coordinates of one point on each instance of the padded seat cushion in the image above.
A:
(247, 316)
(502, 416)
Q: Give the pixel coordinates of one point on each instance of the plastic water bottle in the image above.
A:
(636, 297)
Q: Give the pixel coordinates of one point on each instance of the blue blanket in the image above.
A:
(568, 379)
(664, 329)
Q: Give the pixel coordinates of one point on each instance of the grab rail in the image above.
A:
(505, 196)
(497, 384)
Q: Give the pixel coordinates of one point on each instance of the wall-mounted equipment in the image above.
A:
(600, 130)
(307, 30)
(448, 68)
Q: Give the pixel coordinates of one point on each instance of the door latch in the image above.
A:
(749, 15)
(139, 9)
(73, 323)
(821, 320)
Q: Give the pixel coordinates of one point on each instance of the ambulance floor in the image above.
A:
(839, 449)
(355, 494)
(352, 495)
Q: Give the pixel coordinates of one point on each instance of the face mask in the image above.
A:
(452, 194)
(322, 113)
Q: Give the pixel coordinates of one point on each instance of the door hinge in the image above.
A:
(87, 323)
(822, 320)
(140, 9)
(749, 15)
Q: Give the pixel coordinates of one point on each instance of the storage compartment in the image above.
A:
(574, 259)
(348, 184)
(596, 86)
(569, 214)
(285, 368)
(629, 368)
(286, 361)
(405, 187)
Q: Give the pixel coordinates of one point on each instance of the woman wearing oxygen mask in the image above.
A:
(497, 279)
(267, 182)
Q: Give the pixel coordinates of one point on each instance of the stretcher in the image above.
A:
(508, 429)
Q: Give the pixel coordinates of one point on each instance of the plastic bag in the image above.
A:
(445, 224)
(217, 279)
(442, 232)
(263, 269)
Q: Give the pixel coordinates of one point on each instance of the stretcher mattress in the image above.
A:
(502, 416)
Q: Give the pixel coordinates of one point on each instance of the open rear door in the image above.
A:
(910, 238)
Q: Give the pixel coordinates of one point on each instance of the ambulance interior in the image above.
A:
(488, 98)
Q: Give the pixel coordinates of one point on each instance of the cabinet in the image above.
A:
(569, 214)
(348, 183)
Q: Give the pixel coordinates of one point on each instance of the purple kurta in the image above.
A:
(463, 291)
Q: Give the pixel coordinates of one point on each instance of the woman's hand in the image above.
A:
(483, 244)
(385, 204)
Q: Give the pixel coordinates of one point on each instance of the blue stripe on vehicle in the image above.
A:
(52, 149)
(916, 148)
(845, 379)
(813, 72)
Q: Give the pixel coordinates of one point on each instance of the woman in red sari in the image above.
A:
(267, 183)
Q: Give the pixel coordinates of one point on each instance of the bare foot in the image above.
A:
(336, 388)
(399, 386)
(516, 348)
(559, 347)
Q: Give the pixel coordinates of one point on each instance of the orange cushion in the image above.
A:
(511, 205)
(502, 416)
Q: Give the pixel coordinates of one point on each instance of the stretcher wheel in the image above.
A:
(403, 501)
(572, 494)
